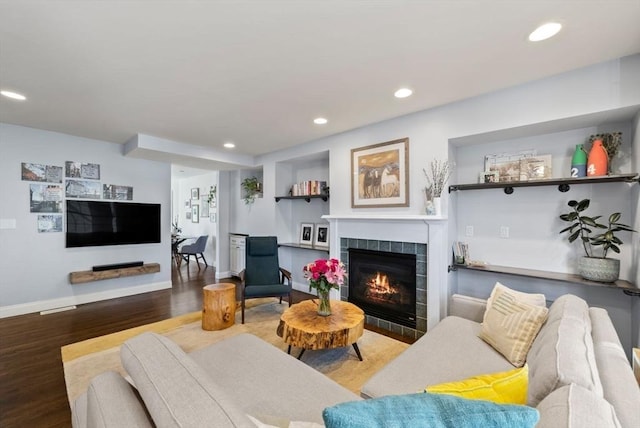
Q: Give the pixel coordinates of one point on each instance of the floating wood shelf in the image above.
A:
(562, 183)
(303, 247)
(626, 286)
(90, 276)
(304, 197)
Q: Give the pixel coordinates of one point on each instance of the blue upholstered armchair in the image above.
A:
(196, 249)
(263, 276)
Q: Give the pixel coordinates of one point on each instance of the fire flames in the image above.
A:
(379, 288)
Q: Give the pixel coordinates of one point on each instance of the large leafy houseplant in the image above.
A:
(582, 227)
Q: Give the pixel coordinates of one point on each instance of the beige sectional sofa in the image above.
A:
(579, 376)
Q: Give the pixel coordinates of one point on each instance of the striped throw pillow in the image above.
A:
(510, 326)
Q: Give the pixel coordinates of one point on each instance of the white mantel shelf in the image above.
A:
(393, 217)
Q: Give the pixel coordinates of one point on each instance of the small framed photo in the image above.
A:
(195, 213)
(489, 177)
(195, 193)
(306, 234)
(213, 217)
(321, 236)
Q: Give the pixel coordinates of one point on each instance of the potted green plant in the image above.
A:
(592, 266)
(251, 189)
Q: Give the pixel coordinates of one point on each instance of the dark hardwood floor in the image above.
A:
(32, 388)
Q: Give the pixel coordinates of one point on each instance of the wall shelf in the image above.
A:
(304, 197)
(90, 276)
(629, 288)
(303, 247)
(562, 183)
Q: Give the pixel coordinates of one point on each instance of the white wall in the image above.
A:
(181, 191)
(35, 266)
(606, 86)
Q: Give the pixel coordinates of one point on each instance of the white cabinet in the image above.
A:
(237, 245)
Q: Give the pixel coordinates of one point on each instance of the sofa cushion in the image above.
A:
(113, 402)
(511, 325)
(535, 299)
(563, 351)
(176, 391)
(508, 387)
(428, 410)
(450, 351)
(618, 383)
(573, 406)
(282, 379)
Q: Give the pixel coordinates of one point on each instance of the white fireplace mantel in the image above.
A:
(431, 230)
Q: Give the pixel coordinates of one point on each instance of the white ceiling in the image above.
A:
(258, 72)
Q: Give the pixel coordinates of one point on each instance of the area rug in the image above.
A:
(84, 360)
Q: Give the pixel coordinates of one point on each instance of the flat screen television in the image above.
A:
(97, 223)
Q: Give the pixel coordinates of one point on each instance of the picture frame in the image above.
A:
(321, 237)
(536, 168)
(306, 234)
(380, 175)
(195, 194)
(489, 177)
(204, 210)
(507, 164)
(195, 213)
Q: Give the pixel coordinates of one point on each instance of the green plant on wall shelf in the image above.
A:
(251, 188)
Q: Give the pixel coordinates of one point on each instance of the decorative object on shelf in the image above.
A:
(321, 236)
(598, 160)
(323, 275)
(536, 168)
(195, 193)
(507, 164)
(251, 188)
(306, 234)
(611, 141)
(579, 162)
(211, 197)
(438, 175)
(489, 177)
(380, 175)
(592, 267)
(309, 188)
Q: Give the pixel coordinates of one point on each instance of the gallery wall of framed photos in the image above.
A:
(50, 185)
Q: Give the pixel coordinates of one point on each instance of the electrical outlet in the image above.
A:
(468, 231)
(504, 231)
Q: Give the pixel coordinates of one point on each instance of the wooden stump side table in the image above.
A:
(218, 306)
(302, 327)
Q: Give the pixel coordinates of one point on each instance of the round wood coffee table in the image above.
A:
(302, 327)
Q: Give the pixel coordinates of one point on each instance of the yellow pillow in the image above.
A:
(508, 387)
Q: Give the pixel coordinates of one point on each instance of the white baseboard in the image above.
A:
(220, 275)
(46, 305)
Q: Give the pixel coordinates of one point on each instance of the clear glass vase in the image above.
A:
(324, 304)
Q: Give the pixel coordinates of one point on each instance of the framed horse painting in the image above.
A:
(380, 175)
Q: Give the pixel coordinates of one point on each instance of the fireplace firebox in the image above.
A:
(383, 284)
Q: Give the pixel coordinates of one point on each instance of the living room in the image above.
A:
(549, 112)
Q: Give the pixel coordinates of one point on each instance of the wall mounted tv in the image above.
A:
(96, 223)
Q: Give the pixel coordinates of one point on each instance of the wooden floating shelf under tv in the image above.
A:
(90, 276)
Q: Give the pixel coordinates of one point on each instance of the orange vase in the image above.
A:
(598, 160)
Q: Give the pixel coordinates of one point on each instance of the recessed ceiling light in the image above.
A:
(403, 93)
(229, 145)
(545, 31)
(320, 121)
(13, 95)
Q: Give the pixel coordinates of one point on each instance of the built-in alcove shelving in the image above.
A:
(628, 287)
(303, 247)
(305, 197)
(562, 183)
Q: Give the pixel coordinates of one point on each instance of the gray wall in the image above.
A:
(35, 266)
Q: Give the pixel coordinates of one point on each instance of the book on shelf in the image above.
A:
(309, 188)
(460, 252)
